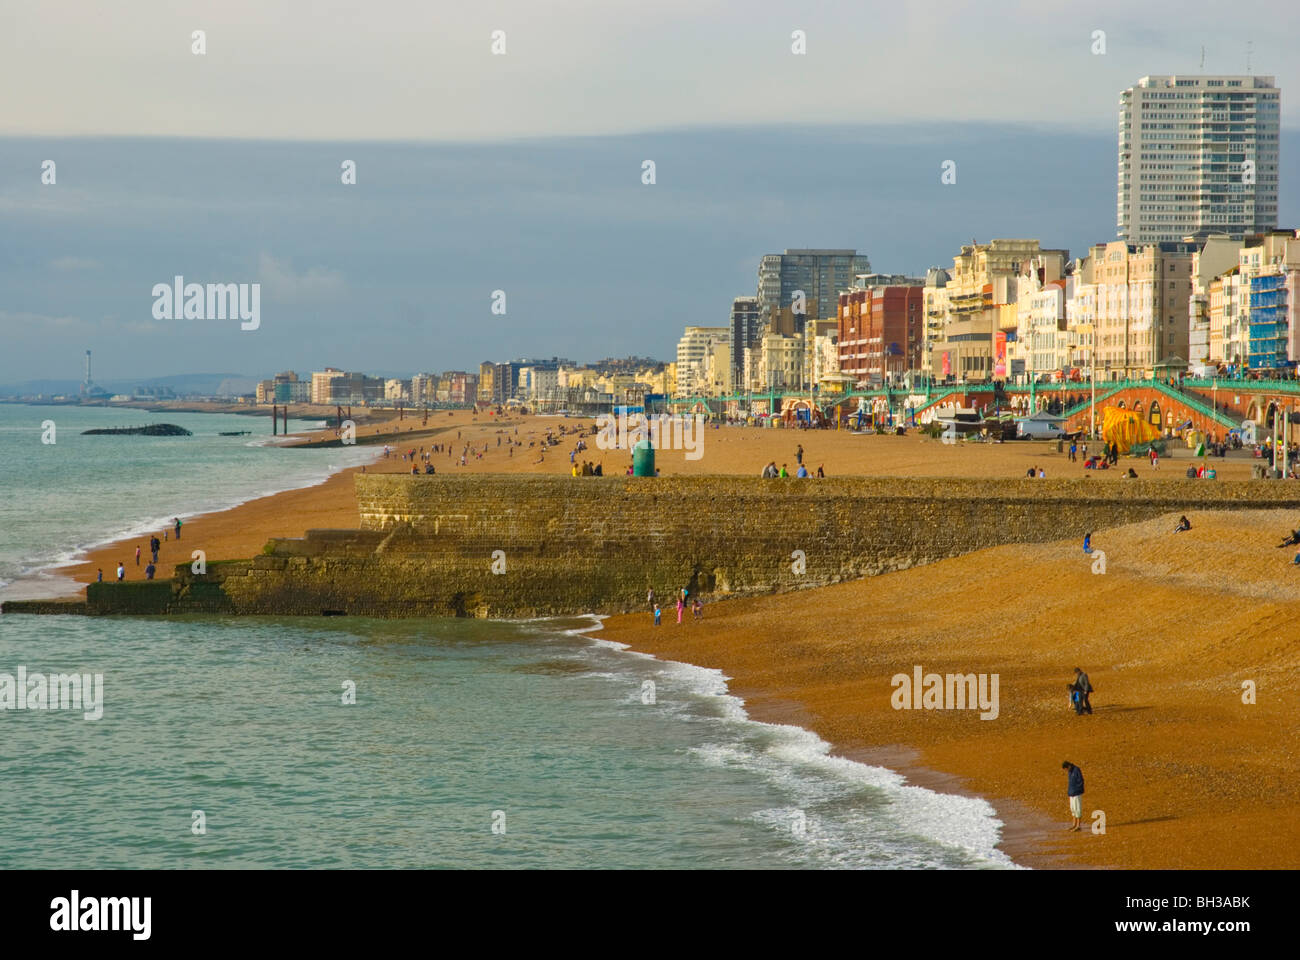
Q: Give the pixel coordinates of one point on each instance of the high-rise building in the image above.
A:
(819, 274)
(1197, 155)
(745, 332)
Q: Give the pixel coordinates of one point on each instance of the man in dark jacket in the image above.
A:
(1074, 790)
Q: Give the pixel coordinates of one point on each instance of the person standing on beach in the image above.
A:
(154, 545)
(681, 605)
(1085, 689)
(137, 554)
(149, 571)
(798, 454)
(178, 528)
(121, 572)
(657, 612)
(1074, 790)
(100, 578)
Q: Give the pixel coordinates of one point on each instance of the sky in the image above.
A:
(522, 171)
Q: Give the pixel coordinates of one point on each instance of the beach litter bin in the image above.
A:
(643, 460)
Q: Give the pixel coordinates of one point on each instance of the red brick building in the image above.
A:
(881, 331)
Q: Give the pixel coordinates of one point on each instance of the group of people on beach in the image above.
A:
(683, 597)
(152, 566)
(771, 471)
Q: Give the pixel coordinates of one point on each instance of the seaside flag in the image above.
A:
(1200, 448)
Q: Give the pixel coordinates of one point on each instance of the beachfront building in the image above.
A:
(695, 344)
(814, 332)
(320, 384)
(746, 328)
(934, 307)
(780, 362)
(1042, 334)
(424, 388)
(881, 328)
(1213, 258)
(1142, 293)
(1197, 155)
(716, 379)
(355, 388)
(971, 344)
(538, 382)
(1269, 270)
(265, 392)
(819, 274)
(396, 389)
(1081, 317)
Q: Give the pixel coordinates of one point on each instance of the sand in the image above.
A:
(1186, 774)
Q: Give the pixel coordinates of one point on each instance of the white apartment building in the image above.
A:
(695, 344)
(781, 365)
(1197, 154)
(320, 384)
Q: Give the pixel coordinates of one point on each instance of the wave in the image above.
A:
(847, 814)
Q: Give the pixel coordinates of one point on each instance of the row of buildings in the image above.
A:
(1014, 309)
(554, 383)
(1199, 278)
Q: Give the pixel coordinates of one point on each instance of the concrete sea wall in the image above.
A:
(511, 546)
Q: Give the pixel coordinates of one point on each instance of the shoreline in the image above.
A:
(1183, 772)
(1186, 776)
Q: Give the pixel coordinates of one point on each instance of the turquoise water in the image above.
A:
(458, 725)
(81, 491)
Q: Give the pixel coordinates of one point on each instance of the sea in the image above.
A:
(230, 742)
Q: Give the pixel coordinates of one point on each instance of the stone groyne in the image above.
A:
(522, 546)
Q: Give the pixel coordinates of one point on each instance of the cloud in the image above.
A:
(280, 282)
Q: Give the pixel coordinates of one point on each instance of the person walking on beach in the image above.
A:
(1085, 690)
(681, 605)
(121, 572)
(137, 554)
(657, 611)
(100, 578)
(697, 608)
(1155, 459)
(149, 571)
(798, 454)
(178, 528)
(1074, 790)
(1074, 449)
(154, 545)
